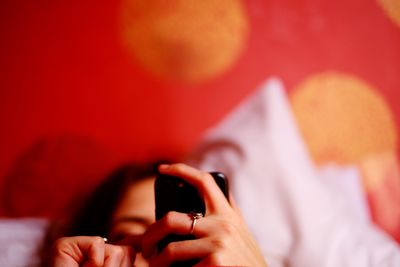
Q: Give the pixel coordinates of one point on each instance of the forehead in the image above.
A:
(138, 201)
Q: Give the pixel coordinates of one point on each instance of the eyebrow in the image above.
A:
(134, 219)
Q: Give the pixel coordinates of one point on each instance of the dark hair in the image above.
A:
(94, 218)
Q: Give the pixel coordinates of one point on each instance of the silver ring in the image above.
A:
(105, 239)
(194, 216)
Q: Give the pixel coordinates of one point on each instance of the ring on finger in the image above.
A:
(194, 216)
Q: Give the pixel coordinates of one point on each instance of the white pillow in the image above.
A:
(20, 240)
(298, 218)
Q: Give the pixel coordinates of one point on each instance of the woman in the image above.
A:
(122, 210)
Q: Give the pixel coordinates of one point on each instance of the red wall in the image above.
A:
(63, 71)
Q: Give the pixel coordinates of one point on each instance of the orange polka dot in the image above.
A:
(342, 118)
(184, 40)
(392, 9)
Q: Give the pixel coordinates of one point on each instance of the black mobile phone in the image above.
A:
(174, 194)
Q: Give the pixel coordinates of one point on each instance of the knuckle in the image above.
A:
(227, 228)
(218, 244)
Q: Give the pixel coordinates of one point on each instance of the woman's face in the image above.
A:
(134, 214)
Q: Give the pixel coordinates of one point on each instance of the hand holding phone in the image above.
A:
(174, 194)
(220, 238)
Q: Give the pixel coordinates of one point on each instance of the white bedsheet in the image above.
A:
(20, 240)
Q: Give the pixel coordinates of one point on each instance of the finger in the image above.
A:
(183, 251)
(96, 251)
(74, 251)
(129, 258)
(213, 197)
(172, 223)
(113, 255)
(117, 255)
